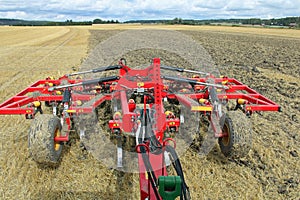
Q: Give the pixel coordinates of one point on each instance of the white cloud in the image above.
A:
(146, 9)
(15, 14)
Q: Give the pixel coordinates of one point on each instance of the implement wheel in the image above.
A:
(42, 147)
(238, 141)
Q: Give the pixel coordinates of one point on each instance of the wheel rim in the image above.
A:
(226, 139)
(56, 144)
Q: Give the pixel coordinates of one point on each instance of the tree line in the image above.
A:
(251, 21)
(69, 22)
(288, 21)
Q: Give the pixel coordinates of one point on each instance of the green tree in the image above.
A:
(98, 21)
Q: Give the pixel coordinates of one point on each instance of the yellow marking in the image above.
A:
(171, 123)
(168, 112)
(71, 111)
(116, 124)
(79, 103)
(36, 103)
(202, 100)
(225, 82)
(201, 108)
(241, 101)
(146, 175)
(140, 84)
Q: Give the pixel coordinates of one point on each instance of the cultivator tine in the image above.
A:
(182, 70)
(101, 69)
(194, 82)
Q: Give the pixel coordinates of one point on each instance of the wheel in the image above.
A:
(42, 147)
(238, 141)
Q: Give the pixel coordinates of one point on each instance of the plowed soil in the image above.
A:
(267, 62)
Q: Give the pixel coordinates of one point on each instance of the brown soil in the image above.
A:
(269, 64)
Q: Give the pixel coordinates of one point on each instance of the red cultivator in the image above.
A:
(140, 110)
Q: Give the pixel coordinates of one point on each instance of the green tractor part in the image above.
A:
(169, 187)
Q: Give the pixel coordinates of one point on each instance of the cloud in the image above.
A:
(146, 9)
(15, 14)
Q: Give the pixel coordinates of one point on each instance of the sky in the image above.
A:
(88, 10)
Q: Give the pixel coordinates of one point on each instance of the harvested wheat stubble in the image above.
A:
(271, 171)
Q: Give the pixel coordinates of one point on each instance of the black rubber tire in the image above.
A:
(239, 140)
(42, 148)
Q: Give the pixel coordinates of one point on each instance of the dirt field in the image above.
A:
(265, 59)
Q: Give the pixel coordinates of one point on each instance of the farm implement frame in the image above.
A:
(139, 96)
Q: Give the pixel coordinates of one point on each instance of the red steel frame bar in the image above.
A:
(15, 105)
(156, 161)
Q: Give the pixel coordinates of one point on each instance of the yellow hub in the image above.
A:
(57, 144)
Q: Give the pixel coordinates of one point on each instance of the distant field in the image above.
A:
(265, 59)
(248, 30)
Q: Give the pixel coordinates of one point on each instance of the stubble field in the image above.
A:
(265, 59)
